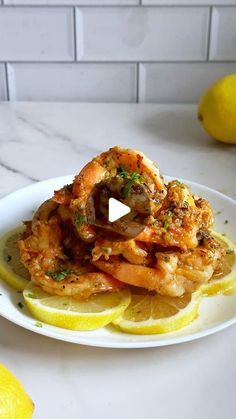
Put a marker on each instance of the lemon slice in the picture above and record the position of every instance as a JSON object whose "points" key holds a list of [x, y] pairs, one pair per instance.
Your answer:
{"points": [[14, 402], [149, 314], [227, 278], [68, 313], [11, 269]]}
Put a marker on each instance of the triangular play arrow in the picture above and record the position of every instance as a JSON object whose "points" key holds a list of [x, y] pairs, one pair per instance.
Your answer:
{"points": [[116, 209]]}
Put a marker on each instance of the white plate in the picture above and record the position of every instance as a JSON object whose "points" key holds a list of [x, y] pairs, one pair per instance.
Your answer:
{"points": [[216, 313]]}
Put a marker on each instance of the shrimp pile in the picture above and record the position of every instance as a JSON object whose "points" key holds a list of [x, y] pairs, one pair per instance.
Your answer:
{"points": [[163, 245]]}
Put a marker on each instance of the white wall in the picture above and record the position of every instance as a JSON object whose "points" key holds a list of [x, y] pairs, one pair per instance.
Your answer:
{"points": [[114, 50]]}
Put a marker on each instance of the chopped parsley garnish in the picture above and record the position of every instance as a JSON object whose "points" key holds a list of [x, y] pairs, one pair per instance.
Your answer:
{"points": [[122, 173], [20, 305], [226, 221], [218, 212], [155, 165], [166, 258], [166, 225], [169, 213], [107, 250], [107, 162], [9, 258], [185, 204], [67, 189], [135, 177], [229, 251], [31, 296], [80, 219], [38, 324], [180, 184], [65, 304], [59, 275]]}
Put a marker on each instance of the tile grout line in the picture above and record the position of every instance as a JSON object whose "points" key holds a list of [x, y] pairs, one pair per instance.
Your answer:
{"points": [[164, 62], [209, 34], [137, 83], [7, 82], [75, 33], [101, 6]]}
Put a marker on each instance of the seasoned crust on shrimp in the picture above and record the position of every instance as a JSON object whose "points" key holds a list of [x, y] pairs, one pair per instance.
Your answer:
{"points": [[57, 261], [105, 167], [174, 272], [183, 220]]}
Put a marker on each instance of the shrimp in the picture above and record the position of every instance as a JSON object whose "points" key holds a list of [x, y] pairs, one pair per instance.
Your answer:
{"points": [[174, 273], [129, 249], [57, 261], [105, 167], [183, 220], [144, 276]]}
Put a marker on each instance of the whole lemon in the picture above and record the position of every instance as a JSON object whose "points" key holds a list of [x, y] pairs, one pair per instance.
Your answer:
{"points": [[217, 109], [14, 402]]}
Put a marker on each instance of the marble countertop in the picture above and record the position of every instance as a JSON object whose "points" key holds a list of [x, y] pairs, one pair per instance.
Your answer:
{"points": [[197, 380]]}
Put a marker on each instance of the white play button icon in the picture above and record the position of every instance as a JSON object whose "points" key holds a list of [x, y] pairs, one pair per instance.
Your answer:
{"points": [[116, 209]]}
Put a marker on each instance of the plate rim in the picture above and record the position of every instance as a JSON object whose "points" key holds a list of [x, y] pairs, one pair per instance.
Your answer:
{"points": [[113, 344]]}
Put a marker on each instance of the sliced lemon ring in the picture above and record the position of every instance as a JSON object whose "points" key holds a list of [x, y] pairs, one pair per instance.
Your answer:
{"points": [[12, 270], [227, 280], [150, 314], [68, 313]]}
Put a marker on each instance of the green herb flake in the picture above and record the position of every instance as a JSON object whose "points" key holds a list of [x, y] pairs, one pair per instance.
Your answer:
{"points": [[107, 250], [218, 212], [122, 172], [226, 221], [9, 258], [155, 165], [166, 225], [20, 305], [135, 177], [169, 213], [107, 162], [229, 251], [67, 189], [38, 324], [166, 258], [32, 296], [59, 275], [223, 234], [80, 219], [65, 304], [185, 204], [180, 184]]}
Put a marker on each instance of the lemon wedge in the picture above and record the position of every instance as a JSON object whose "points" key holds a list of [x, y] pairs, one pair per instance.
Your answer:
{"points": [[11, 269], [14, 402], [150, 314], [69, 313], [226, 279]]}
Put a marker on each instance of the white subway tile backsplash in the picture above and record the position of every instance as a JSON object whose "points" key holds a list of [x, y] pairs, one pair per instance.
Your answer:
{"points": [[94, 57], [72, 2], [188, 2], [142, 33], [120, 2], [223, 34], [73, 82], [3, 87], [180, 82], [32, 34]]}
